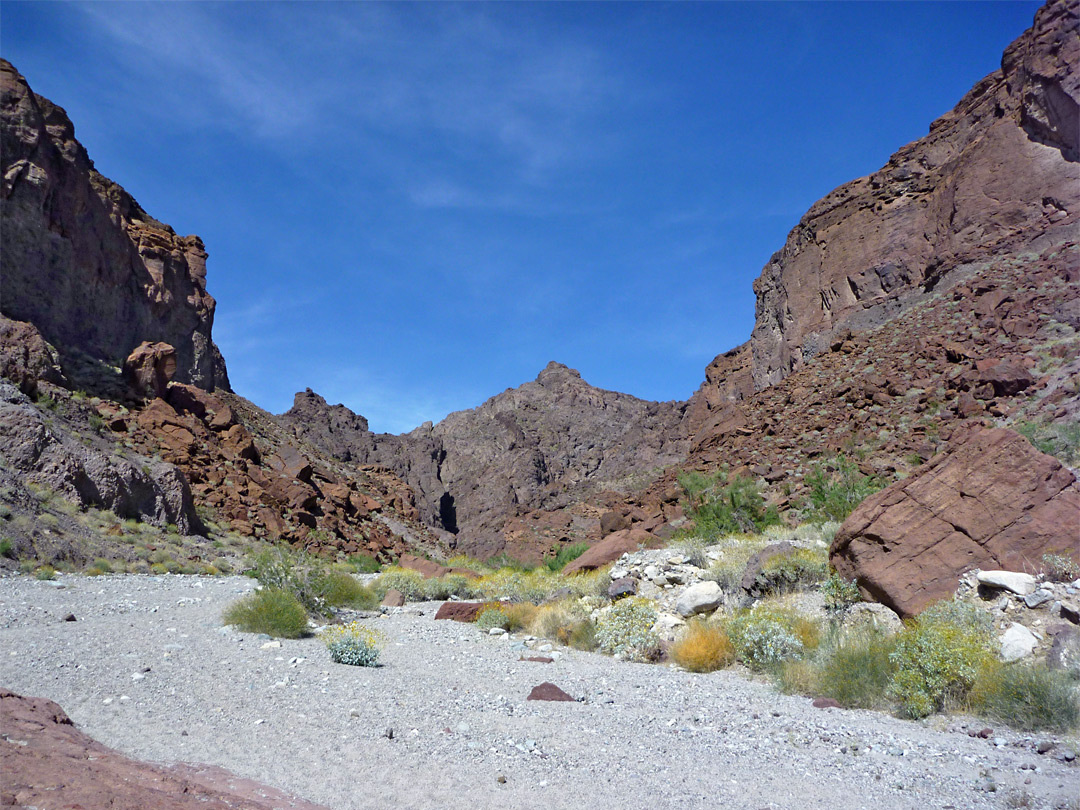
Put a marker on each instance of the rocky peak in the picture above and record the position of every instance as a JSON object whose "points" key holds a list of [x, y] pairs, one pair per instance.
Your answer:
{"points": [[83, 262]]}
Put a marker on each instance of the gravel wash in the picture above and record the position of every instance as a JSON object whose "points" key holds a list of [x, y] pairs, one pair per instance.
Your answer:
{"points": [[148, 668]]}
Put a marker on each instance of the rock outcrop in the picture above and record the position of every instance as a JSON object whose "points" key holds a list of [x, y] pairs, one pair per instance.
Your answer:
{"points": [[92, 271], [539, 445], [990, 501], [997, 174], [131, 486], [47, 762]]}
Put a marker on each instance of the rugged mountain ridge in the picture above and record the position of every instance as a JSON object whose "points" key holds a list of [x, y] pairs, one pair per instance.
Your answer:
{"points": [[541, 445], [83, 262], [997, 174]]}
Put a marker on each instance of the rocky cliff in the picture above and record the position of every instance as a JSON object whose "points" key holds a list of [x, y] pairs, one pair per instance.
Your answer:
{"points": [[997, 174], [542, 444], [82, 261]]}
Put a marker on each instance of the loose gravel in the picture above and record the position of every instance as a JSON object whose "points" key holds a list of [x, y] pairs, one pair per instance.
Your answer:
{"points": [[148, 668]]}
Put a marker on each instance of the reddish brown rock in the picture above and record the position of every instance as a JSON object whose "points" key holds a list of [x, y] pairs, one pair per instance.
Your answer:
{"points": [[607, 550], [47, 762], [826, 703], [393, 598], [461, 611], [25, 357], [429, 569], [149, 368], [990, 501], [548, 691]]}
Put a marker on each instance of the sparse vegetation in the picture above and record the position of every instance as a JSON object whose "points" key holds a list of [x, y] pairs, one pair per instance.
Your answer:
{"points": [[765, 635], [274, 611], [1058, 439], [1027, 696], [626, 630], [839, 593], [1059, 568], [565, 555]]}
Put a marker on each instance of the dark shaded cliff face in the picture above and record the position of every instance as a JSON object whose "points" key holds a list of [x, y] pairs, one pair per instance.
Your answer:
{"points": [[998, 174], [82, 261], [542, 444]]}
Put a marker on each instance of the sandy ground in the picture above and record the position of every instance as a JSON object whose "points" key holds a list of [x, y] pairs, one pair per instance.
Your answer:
{"points": [[149, 669]]}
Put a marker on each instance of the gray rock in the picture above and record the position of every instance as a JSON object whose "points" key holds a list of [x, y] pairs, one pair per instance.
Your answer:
{"points": [[1017, 642], [1038, 598], [702, 597], [1018, 583]]}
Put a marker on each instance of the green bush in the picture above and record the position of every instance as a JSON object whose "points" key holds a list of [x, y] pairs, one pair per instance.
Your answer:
{"points": [[408, 583], [492, 617], [799, 569], [858, 672], [835, 488], [938, 657], [439, 589], [565, 555], [354, 644], [626, 629], [765, 636], [339, 589], [1060, 439], [839, 593], [1059, 568], [273, 611], [365, 564], [7, 548], [1027, 696], [45, 572], [718, 508]]}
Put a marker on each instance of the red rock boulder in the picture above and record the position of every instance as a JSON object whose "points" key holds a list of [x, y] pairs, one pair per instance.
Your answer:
{"points": [[610, 549], [149, 368], [990, 500]]}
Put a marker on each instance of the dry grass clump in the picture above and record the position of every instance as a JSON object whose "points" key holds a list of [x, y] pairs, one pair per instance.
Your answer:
{"points": [[566, 622], [703, 647], [1027, 696]]}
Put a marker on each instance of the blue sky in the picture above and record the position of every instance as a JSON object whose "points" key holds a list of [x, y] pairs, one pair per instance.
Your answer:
{"points": [[411, 207]]}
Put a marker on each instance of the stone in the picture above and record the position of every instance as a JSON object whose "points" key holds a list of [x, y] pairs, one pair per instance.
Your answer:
{"points": [[538, 659], [429, 569], [463, 611], [1017, 642], [1019, 583], [1039, 598], [826, 703], [701, 597], [149, 368], [622, 587], [548, 691], [755, 581], [26, 358], [1064, 652], [56, 765], [393, 598], [607, 550], [870, 615], [611, 522], [989, 501]]}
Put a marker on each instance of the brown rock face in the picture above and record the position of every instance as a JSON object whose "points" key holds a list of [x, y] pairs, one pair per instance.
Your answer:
{"points": [[989, 501], [541, 444], [47, 762], [996, 173], [82, 261], [624, 541], [25, 357]]}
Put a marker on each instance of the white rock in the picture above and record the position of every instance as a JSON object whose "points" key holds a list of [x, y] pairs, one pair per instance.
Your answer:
{"points": [[1017, 642], [496, 631], [701, 597], [1021, 584], [270, 645], [619, 573], [667, 626]]}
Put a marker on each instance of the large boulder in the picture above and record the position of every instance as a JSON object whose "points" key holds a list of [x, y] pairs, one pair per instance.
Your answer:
{"points": [[989, 501], [149, 369], [610, 549]]}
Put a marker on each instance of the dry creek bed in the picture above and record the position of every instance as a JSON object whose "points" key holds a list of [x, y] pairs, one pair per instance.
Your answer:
{"points": [[148, 668]]}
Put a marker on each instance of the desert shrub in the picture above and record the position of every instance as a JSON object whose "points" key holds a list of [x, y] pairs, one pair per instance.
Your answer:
{"points": [[7, 548], [582, 635], [801, 568], [857, 673], [693, 548], [45, 572], [519, 616], [703, 647], [300, 574], [1061, 439], [765, 636], [439, 589], [565, 555], [1027, 696], [365, 564], [1059, 568], [839, 593], [556, 620], [409, 584], [835, 488], [512, 585], [504, 560], [587, 583], [626, 629], [273, 611], [354, 644], [492, 617], [339, 589], [719, 508], [938, 656]]}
